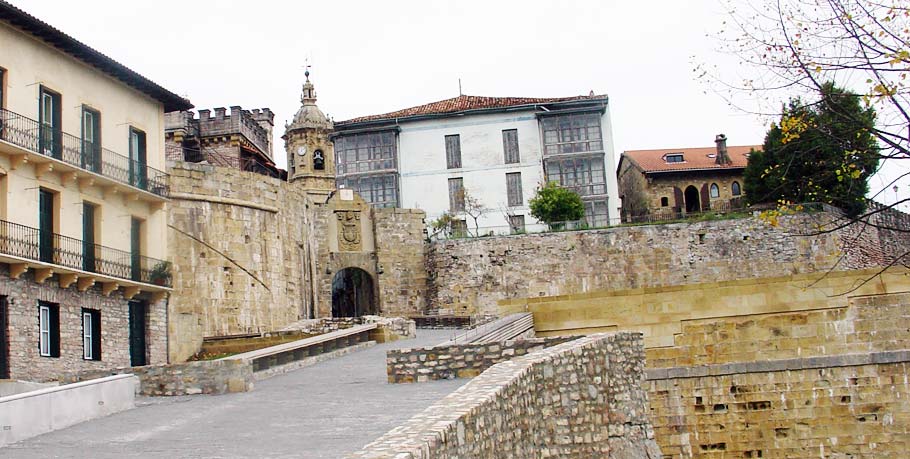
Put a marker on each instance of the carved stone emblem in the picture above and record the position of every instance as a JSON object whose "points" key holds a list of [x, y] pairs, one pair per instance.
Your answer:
{"points": [[349, 230]]}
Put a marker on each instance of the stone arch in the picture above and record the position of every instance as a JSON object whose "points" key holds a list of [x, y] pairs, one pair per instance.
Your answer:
{"points": [[692, 199], [353, 293]]}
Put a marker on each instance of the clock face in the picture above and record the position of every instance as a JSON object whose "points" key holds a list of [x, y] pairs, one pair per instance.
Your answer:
{"points": [[301, 150]]}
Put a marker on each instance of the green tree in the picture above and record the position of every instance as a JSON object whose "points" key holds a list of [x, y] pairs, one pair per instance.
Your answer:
{"points": [[819, 152], [553, 203]]}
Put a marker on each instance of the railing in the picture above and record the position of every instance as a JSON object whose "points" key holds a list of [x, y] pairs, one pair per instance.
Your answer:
{"points": [[33, 244], [90, 156], [248, 163]]}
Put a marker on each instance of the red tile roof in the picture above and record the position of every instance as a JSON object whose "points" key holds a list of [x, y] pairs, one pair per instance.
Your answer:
{"points": [[465, 103], [694, 158]]}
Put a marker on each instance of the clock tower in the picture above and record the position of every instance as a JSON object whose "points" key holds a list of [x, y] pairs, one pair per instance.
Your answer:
{"points": [[310, 153]]}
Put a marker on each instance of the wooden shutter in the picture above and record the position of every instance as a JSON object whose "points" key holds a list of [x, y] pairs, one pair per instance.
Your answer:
{"points": [[513, 189], [96, 335], [453, 151], [510, 146], [705, 197], [54, 324], [679, 200]]}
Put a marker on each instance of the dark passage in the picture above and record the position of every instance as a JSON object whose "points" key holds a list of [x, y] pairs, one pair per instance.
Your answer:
{"points": [[352, 293]]}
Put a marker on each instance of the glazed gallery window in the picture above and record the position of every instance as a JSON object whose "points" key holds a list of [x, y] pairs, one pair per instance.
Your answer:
{"points": [[715, 191], [48, 329], [91, 334], [735, 189], [573, 133], [369, 152], [379, 190], [583, 175]]}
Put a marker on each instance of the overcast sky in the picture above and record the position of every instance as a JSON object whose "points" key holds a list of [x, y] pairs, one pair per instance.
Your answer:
{"points": [[372, 57]]}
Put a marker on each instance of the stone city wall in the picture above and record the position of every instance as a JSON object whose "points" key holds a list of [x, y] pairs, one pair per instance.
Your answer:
{"points": [[580, 399], [469, 276], [25, 361], [394, 327], [808, 384], [189, 378], [458, 360], [401, 254], [236, 243]]}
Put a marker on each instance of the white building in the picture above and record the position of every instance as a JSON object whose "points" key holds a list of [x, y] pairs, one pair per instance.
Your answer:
{"points": [[497, 149]]}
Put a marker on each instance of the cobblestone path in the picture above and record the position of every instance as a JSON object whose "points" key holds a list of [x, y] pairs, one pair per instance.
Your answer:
{"points": [[323, 411]]}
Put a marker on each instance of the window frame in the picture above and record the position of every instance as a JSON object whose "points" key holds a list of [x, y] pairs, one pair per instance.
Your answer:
{"points": [[664, 201], [511, 152], [572, 133], [456, 203], [514, 193], [677, 158], [736, 189], [714, 191], [453, 151], [91, 334], [48, 329]]}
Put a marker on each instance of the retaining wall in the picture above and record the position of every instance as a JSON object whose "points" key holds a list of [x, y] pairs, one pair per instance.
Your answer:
{"points": [[45, 410], [579, 399], [189, 378], [458, 360]]}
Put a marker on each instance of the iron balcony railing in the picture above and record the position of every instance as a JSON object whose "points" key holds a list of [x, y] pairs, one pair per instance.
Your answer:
{"points": [[90, 156], [44, 246]]}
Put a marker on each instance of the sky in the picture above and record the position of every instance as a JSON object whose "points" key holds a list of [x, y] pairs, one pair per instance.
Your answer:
{"points": [[371, 57]]}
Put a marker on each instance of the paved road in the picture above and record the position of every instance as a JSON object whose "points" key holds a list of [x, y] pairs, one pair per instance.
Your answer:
{"points": [[323, 411]]}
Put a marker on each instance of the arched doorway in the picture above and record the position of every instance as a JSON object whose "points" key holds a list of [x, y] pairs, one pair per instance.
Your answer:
{"points": [[352, 293], [692, 204]]}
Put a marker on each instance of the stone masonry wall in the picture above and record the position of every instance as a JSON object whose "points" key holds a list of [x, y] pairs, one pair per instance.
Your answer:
{"points": [[190, 378], [580, 399], [471, 275], [458, 360], [236, 243], [824, 383], [27, 364], [401, 253]]}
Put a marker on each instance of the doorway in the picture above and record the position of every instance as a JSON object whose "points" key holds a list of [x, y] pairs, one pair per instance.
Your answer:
{"points": [[352, 293], [4, 338], [692, 204], [138, 349]]}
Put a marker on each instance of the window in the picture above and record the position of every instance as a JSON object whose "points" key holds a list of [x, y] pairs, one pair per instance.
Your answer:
{"points": [[89, 231], [456, 195], [48, 329], [510, 146], [735, 189], [715, 191], [453, 151], [2, 87], [49, 135], [675, 158], [664, 201], [513, 189], [379, 190], [138, 174], [459, 228], [91, 139], [47, 223], [369, 152], [573, 133], [137, 228], [583, 175], [516, 224], [91, 334]]}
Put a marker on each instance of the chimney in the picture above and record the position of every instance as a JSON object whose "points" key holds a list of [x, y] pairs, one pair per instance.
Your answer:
{"points": [[722, 157]]}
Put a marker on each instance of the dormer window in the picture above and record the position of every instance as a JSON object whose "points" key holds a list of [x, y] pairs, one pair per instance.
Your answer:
{"points": [[674, 158]]}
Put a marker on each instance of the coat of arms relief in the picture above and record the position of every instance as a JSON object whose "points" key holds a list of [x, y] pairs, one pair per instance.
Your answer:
{"points": [[349, 230]]}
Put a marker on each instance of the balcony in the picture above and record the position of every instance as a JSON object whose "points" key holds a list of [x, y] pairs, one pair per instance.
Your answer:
{"points": [[79, 262], [52, 150]]}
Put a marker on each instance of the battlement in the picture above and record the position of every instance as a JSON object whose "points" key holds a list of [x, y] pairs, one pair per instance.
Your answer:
{"points": [[255, 125]]}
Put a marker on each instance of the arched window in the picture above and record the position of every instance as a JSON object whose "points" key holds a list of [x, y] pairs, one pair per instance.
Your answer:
{"points": [[715, 191], [664, 201], [735, 189]]}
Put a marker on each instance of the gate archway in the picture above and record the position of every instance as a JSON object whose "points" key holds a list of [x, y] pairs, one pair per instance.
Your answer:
{"points": [[353, 294]]}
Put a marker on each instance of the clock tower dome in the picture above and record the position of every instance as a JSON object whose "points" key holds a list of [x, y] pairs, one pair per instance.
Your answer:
{"points": [[310, 152]]}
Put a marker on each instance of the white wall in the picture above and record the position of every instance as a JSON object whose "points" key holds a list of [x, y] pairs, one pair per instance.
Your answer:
{"points": [[45, 410], [422, 163]]}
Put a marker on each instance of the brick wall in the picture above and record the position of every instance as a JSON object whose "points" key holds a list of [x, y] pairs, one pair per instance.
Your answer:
{"points": [[579, 399], [26, 363]]}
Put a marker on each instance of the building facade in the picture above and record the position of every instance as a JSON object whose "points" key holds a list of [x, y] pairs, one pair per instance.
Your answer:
{"points": [[669, 183], [240, 139], [495, 151], [82, 206]]}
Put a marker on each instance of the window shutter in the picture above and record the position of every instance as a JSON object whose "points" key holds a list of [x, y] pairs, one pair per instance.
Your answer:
{"points": [[96, 335], [679, 201], [54, 313], [705, 197]]}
